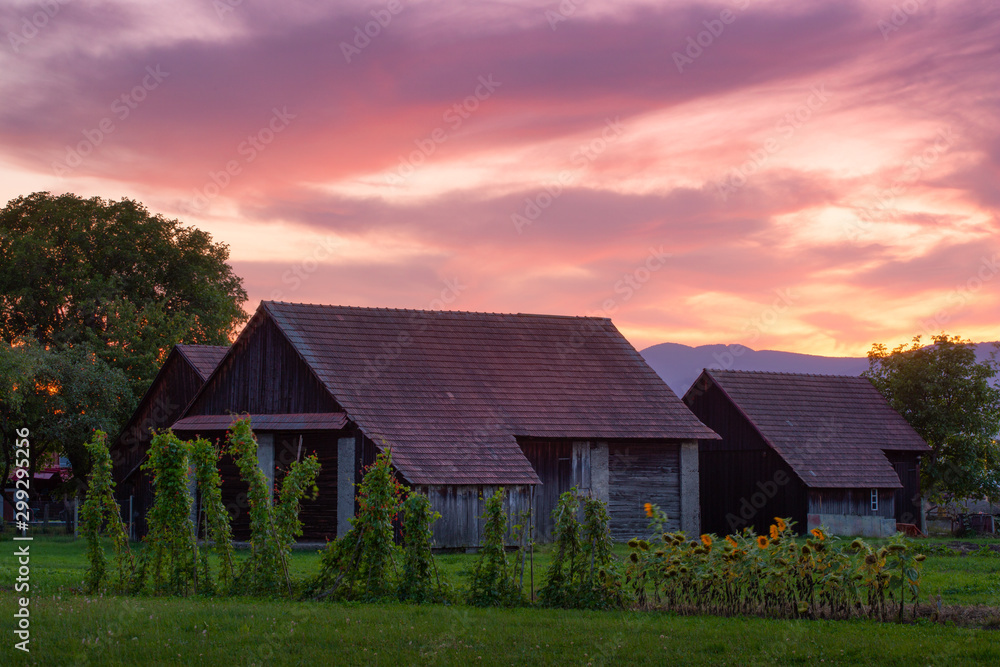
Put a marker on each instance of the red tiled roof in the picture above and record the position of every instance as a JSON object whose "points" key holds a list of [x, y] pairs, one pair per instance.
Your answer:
{"points": [[450, 391], [203, 358], [318, 421], [831, 429]]}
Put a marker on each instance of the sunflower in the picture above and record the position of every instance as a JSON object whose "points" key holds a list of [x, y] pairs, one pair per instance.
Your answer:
{"points": [[818, 534], [649, 510], [729, 538], [774, 532], [762, 542], [781, 523], [706, 540]]}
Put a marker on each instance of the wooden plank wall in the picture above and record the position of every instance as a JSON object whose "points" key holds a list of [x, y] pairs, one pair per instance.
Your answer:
{"points": [[462, 507], [856, 502], [907, 501], [637, 474], [263, 375], [319, 516], [554, 464], [742, 480]]}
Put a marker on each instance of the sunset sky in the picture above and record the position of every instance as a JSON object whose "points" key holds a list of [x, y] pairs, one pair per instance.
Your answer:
{"points": [[801, 176]]}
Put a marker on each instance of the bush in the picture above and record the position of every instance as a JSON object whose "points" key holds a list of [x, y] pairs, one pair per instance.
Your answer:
{"points": [[493, 582], [357, 564], [171, 538], [420, 580], [583, 572], [100, 509]]}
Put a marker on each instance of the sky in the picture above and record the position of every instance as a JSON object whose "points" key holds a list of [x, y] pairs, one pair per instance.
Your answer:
{"points": [[811, 177]]}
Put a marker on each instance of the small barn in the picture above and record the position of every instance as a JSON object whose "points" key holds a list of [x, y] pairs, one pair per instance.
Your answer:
{"points": [[822, 449], [182, 374], [467, 402]]}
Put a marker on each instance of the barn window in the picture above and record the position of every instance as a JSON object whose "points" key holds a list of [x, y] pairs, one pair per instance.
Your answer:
{"points": [[874, 500]]}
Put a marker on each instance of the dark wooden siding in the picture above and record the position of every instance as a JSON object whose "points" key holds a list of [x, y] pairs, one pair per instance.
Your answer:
{"points": [[852, 502], [263, 374], [743, 481], [907, 502], [462, 507], [173, 389], [319, 516], [552, 461], [639, 474]]}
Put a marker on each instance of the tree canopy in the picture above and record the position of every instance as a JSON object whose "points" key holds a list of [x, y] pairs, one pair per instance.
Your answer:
{"points": [[106, 288], [948, 397]]}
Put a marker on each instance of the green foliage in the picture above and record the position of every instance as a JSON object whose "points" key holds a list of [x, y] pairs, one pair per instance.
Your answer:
{"points": [[774, 575], [494, 580], [357, 565], [564, 581], [109, 283], [266, 567], [417, 581], [205, 457], [62, 397], [100, 509], [948, 398], [171, 539]]}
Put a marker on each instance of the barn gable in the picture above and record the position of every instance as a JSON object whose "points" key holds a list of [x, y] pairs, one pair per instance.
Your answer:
{"points": [[179, 379]]}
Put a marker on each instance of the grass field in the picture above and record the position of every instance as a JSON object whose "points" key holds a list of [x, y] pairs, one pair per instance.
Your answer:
{"points": [[70, 628]]}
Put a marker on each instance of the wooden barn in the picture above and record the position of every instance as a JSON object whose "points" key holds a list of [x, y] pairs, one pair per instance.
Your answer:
{"points": [[467, 402], [183, 373], [821, 449]]}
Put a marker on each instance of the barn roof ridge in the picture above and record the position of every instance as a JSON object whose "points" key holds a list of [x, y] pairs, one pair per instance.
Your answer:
{"points": [[792, 373], [427, 310]]}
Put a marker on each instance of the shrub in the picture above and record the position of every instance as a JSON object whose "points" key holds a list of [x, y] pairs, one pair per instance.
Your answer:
{"points": [[358, 564], [272, 530], [217, 528], [101, 509], [417, 582], [171, 537], [493, 582]]}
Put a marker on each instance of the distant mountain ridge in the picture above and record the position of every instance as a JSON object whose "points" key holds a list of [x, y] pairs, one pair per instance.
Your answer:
{"points": [[679, 365]]}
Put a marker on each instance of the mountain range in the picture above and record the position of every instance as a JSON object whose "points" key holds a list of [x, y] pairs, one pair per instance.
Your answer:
{"points": [[679, 365]]}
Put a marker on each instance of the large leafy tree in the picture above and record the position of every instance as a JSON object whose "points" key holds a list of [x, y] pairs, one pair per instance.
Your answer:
{"points": [[108, 288], [61, 396], [949, 399]]}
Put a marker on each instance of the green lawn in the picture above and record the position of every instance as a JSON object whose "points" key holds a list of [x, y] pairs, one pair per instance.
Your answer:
{"points": [[70, 628]]}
